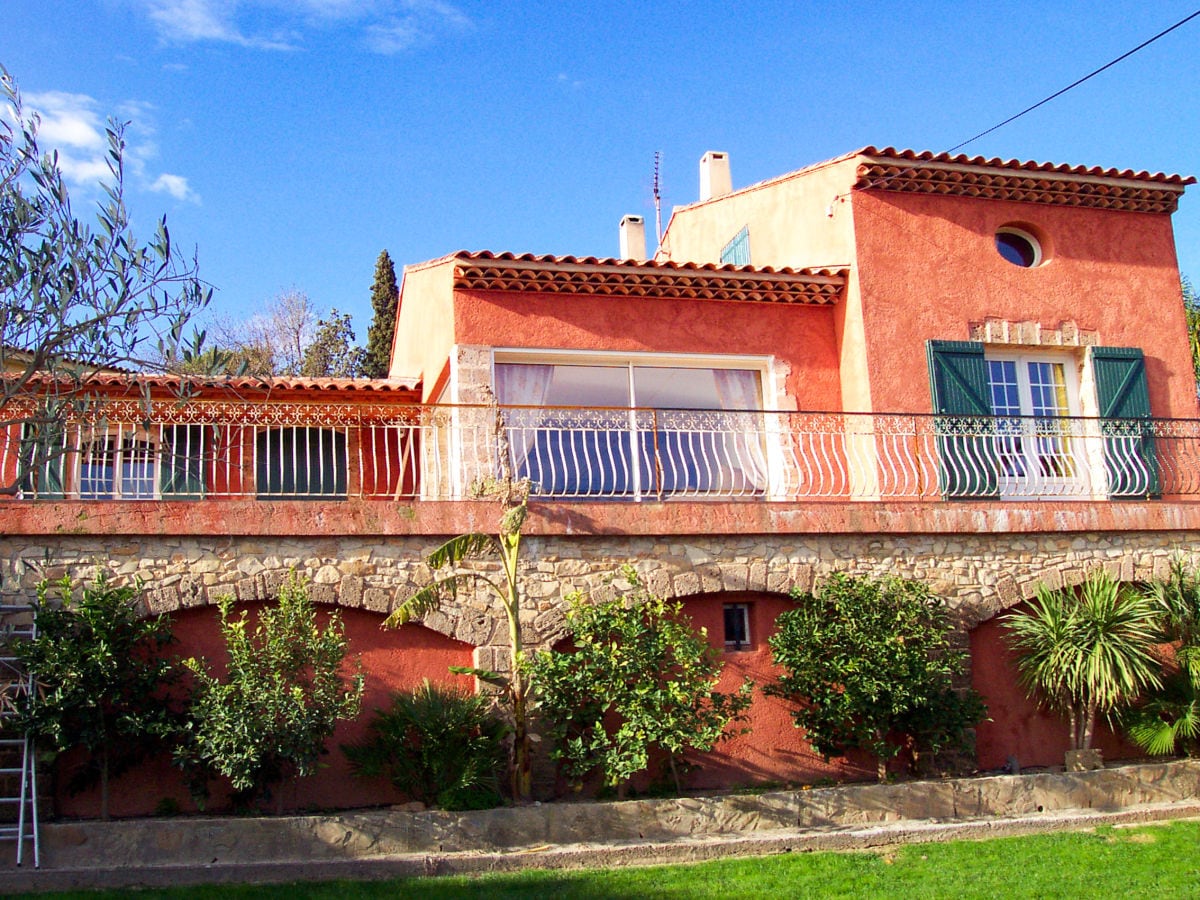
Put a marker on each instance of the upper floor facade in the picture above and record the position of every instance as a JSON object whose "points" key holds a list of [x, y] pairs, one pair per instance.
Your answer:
{"points": [[886, 328]]}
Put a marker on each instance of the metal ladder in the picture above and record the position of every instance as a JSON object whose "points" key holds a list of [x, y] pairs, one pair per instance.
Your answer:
{"points": [[17, 757]]}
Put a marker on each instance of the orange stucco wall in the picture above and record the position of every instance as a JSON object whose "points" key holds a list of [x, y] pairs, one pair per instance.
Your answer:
{"points": [[1016, 726], [927, 267], [774, 750], [392, 660], [798, 336]]}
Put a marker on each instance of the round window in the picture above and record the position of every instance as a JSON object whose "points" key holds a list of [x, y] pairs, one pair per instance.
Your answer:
{"points": [[1019, 247]]}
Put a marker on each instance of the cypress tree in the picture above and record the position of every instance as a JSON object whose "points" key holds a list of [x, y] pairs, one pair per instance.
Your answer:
{"points": [[384, 298]]}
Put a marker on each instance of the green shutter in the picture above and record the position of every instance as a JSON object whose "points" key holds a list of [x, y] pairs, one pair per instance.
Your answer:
{"points": [[1123, 398], [964, 425], [737, 251], [182, 461]]}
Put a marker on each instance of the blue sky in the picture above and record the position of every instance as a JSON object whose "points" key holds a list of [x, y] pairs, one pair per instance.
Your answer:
{"points": [[290, 141]]}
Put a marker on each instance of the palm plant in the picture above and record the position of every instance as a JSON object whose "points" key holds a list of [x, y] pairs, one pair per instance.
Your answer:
{"points": [[1086, 653], [1170, 720], [457, 564]]}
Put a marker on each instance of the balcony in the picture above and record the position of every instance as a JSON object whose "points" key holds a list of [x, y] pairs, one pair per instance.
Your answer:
{"points": [[236, 450]]}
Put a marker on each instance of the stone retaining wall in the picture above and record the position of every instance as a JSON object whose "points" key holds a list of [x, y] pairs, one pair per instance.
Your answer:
{"points": [[208, 841], [978, 575]]}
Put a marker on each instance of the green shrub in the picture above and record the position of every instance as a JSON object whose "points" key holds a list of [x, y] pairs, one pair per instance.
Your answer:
{"points": [[1169, 719], [868, 663], [282, 697], [437, 745], [639, 677], [101, 680]]}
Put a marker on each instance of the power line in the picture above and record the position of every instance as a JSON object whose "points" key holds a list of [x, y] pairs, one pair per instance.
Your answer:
{"points": [[1076, 84], [1042, 102]]}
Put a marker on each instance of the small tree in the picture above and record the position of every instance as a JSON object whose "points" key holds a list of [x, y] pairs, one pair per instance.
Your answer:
{"points": [[282, 696], [100, 679], [1191, 306], [870, 666], [1086, 653], [77, 299], [384, 298], [332, 353], [437, 745], [639, 678], [456, 562]]}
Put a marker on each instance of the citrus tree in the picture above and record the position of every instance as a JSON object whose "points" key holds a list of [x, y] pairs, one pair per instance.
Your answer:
{"points": [[869, 666], [637, 678]]}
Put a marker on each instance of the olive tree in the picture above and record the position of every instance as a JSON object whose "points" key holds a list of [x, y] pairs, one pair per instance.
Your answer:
{"points": [[77, 298]]}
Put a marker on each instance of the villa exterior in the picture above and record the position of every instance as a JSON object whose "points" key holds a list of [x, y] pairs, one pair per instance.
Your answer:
{"points": [[973, 372]]}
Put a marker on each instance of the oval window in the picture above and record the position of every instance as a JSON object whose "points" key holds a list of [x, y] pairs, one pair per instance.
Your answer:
{"points": [[1018, 247]]}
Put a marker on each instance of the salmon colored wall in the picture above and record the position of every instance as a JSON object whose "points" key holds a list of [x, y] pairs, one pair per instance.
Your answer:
{"points": [[392, 660], [775, 749], [800, 336], [424, 324], [927, 266], [1017, 726]]}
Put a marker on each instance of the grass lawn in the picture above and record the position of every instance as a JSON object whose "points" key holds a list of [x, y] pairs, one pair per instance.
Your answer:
{"points": [[1159, 861]]}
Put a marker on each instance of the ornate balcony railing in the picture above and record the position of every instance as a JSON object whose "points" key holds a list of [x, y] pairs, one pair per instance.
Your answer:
{"points": [[233, 449]]}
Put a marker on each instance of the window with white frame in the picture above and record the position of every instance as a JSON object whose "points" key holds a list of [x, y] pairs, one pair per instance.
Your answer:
{"points": [[1033, 396], [119, 466], [607, 425]]}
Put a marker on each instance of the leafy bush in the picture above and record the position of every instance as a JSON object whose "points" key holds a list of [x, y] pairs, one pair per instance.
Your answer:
{"points": [[1169, 720], [639, 677], [101, 681], [1087, 652], [870, 667], [284, 693], [442, 747]]}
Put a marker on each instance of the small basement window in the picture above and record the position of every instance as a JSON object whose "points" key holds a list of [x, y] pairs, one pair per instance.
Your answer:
{"points": [[737, 626], [1018, 247]]}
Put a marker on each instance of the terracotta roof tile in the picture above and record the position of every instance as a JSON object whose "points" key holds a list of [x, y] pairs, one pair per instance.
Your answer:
{"points": [[248, 383], [590, 275], [912, 171]]}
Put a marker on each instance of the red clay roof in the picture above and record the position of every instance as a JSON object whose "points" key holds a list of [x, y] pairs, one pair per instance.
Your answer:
{"points": [[590, 275], [254, 383], [926, 172], [1027, 166]]}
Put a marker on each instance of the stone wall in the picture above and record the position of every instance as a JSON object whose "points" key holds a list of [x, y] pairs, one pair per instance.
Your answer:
{"points": [[978, 575]]}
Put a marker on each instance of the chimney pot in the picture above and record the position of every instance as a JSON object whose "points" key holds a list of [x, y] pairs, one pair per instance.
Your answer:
{"points": [[715, 180], [633, 238]]}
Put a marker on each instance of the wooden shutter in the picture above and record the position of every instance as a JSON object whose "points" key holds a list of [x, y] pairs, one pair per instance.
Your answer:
{"points": [[964, 425], [1123, 397], [181, 457]]}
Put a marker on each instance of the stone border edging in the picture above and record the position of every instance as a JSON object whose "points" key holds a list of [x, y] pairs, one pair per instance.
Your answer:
{"points": [[389, 843]]}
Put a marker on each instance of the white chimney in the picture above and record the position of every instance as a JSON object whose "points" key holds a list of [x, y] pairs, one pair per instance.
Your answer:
{"points": [[633, 238], [715, 180]]}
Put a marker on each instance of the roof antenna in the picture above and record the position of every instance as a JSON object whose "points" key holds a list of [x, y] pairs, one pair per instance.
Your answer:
{"points": [[657, 199]]}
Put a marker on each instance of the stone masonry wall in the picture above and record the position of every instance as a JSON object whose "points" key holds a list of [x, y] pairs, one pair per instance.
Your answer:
{"points": [[978, 575]]}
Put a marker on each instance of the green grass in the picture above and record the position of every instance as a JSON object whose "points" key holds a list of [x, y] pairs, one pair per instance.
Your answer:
{"points": [[1157, 861]]}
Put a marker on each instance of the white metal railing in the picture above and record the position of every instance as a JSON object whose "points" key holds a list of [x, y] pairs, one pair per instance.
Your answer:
{"points": [[232, 449]]}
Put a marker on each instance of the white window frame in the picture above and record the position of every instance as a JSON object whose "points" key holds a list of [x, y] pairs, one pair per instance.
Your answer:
{"points": [[118, 436], [1034, 483], [763, 366]]}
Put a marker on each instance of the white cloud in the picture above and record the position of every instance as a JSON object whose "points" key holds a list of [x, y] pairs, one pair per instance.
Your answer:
{"points": [[175, 185], [384, 26], [68, 120], [70, 125]]}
